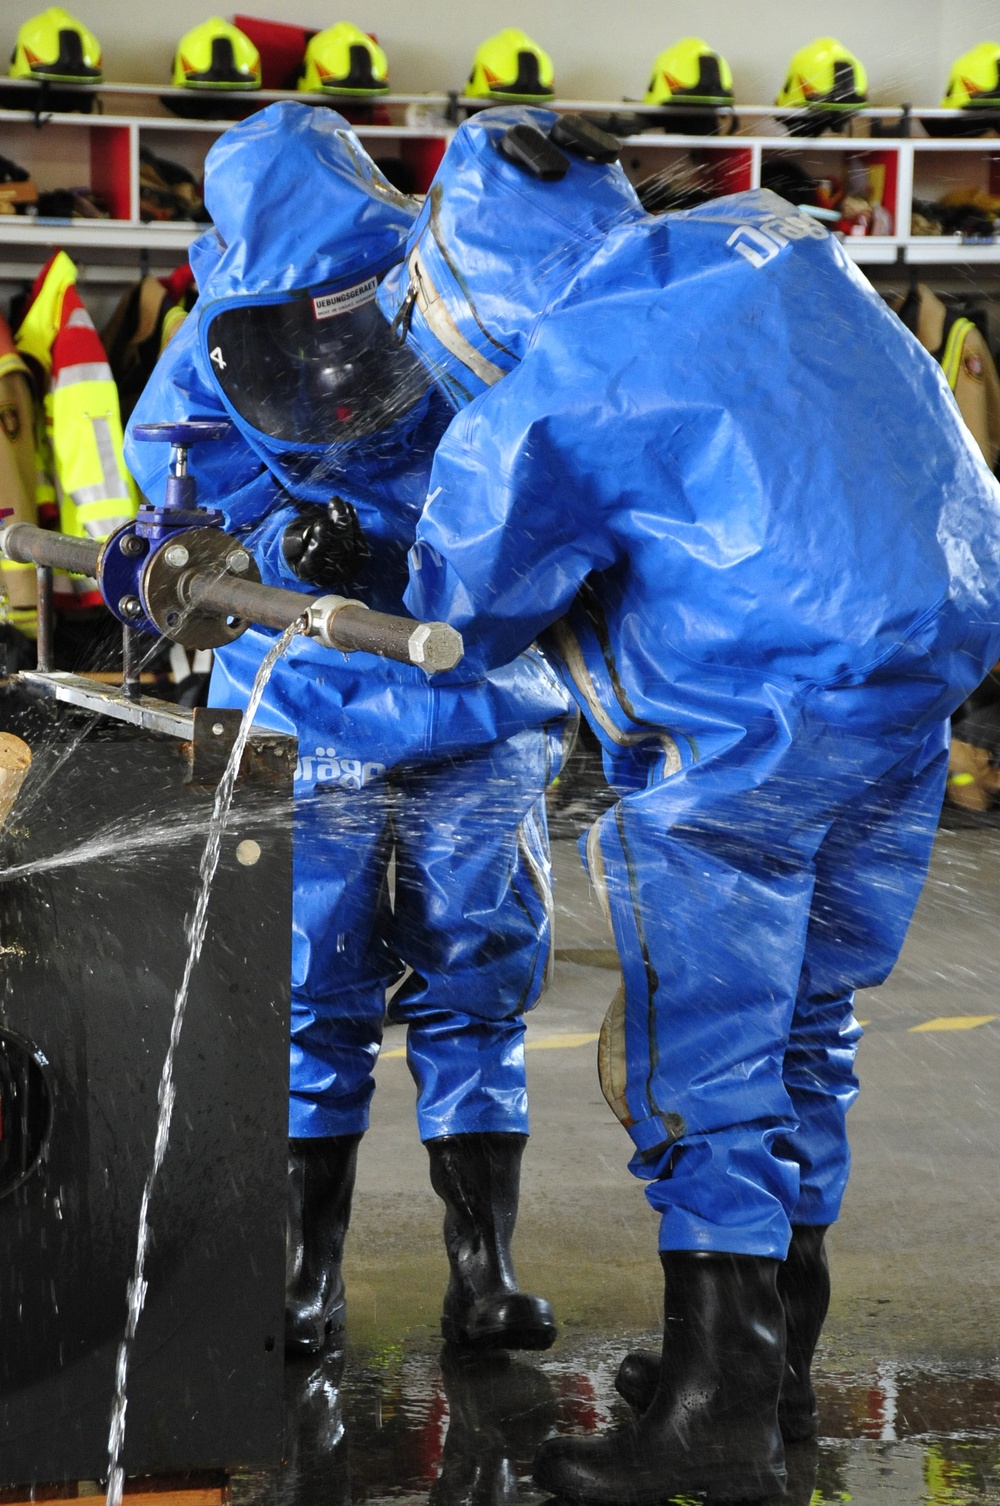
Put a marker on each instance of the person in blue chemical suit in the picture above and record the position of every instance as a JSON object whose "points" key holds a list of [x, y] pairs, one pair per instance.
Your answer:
{"points": [[324, 476], [740, 502]]}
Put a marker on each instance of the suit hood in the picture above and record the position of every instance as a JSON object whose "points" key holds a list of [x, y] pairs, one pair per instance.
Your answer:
{"points": [[296, 202], [492, 247]]}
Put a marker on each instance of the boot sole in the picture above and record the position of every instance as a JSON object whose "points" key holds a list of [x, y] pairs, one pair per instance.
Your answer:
{"points": [[753, 1485], [509, 1320], [513, 1337]]}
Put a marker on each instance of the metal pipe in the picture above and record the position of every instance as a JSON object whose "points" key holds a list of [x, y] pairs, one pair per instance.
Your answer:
{"points": [[228, 596], [28, 545], [333, 620]]}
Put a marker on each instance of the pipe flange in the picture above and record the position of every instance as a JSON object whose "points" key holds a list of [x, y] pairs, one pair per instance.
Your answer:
{"points": [[169, 587]]}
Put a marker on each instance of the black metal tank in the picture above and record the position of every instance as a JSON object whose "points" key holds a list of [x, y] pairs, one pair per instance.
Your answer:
{"points": [[91, 955]]}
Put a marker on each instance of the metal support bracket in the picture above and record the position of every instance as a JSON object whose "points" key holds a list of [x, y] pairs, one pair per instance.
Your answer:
{"points": [[212, 737], [111, 700], [207, 748]]}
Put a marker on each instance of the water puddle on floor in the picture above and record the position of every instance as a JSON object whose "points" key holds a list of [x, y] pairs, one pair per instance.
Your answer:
{"points": [[412, 1423]]}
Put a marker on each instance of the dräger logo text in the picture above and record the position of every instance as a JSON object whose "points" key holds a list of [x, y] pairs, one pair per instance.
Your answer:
{"points": [[323, 766], [759, 244]]}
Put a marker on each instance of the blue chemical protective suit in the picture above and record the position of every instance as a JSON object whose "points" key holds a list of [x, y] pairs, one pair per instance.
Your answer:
{"points": [[286, 341], [742, 499]]}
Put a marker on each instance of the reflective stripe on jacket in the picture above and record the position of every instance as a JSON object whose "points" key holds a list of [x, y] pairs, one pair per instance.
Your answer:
{"points": [[17, 476], [78, 431]]}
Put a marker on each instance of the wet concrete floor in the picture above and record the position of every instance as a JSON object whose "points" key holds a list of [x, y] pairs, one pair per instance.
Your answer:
{"points": [[909, 1367]]}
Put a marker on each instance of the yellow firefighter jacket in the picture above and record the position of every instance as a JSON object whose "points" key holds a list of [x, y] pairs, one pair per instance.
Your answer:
{"points": [[966, 361], [81, 482]]}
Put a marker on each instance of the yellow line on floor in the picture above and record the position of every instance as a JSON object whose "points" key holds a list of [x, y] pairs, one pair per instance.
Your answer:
{"points": [[564, 1042], [547, 1043], [590, 956], [554, 1042], [954, 1022]]}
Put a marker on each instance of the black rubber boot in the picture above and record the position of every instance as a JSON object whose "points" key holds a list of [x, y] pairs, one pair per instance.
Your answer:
{"points": [[712, 1425], [638, 1377], [320, 1186], [499, 1410], [477, 1177], [804, 1288]]}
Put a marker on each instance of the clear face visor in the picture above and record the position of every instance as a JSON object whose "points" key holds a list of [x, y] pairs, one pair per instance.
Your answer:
{"points": [[317, 370]]}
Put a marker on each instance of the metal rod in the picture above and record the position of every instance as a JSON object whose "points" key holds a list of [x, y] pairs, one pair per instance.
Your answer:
{"points": [[228, 596], [28, 545], [46, 625], [131, 663], [352, 629]]}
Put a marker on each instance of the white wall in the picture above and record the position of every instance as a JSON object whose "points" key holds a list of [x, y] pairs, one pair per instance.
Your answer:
{"points": [[601, 48]]}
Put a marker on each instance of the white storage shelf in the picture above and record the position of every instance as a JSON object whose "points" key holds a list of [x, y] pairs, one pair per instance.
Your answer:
{"points": [[102, 151], [916, 168]]}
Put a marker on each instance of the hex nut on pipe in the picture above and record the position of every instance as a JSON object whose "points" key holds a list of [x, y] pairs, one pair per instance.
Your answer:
{"points": [[435, 647]]}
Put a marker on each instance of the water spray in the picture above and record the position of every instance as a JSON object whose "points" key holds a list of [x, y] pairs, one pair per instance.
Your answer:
{"points": [[175, 572]]}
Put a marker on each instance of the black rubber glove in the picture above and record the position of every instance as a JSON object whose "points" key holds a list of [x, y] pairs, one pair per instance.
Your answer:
{"points": [[325, 546]]}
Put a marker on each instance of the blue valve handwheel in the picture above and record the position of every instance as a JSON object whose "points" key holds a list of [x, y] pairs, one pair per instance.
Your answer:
{"points": [[187, 433]]}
